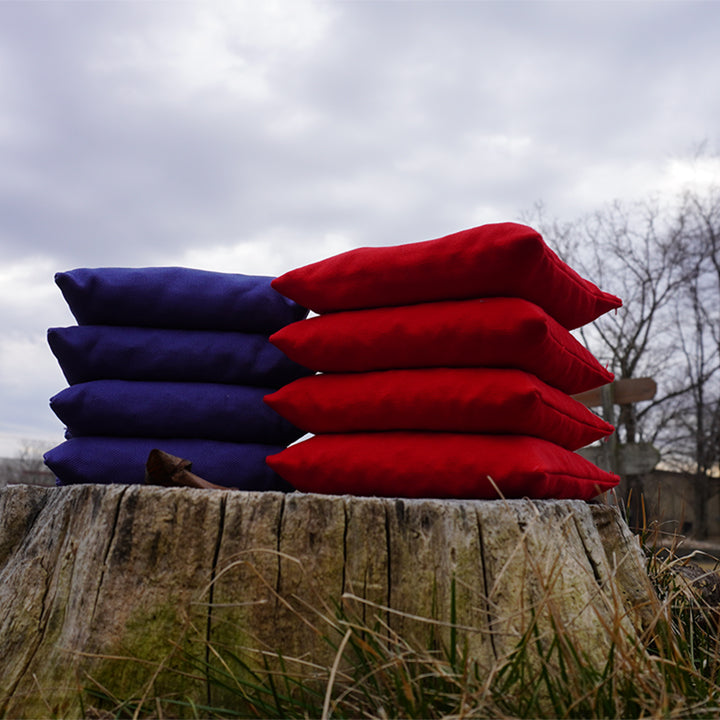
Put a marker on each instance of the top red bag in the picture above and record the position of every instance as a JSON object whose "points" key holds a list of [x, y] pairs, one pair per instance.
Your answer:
{"points": [[498, 260]]}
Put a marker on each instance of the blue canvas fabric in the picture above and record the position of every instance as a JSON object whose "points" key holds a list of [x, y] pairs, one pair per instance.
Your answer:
{"points": [[176, 297], [122, 460], [99, 352], [122, 408]]}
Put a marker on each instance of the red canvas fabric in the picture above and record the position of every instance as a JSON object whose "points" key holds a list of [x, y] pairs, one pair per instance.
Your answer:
{"points": [[443, 465], [503, 259], [490, 332], [473, 400]]}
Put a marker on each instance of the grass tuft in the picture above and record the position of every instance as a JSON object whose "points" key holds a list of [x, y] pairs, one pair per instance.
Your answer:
{"points": [[670, 670]]}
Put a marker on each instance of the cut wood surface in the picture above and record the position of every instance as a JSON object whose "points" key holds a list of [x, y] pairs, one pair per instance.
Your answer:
{"points": [[110, 586]]}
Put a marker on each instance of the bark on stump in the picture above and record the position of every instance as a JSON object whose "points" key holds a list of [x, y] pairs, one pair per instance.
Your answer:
{"points": [[121, 587]]}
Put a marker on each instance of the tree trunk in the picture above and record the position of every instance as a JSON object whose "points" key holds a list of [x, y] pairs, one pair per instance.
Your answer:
{"points": [[126, 588]]}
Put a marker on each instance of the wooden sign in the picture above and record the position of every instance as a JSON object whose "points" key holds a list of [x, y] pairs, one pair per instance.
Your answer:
{"points": [[624, 392], [631, 459]]}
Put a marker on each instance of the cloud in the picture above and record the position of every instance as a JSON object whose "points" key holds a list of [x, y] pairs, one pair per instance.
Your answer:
{"points": [[153, 132], [29, 376], [258, 136], [273, 253], [27, 292], [149, 127]]}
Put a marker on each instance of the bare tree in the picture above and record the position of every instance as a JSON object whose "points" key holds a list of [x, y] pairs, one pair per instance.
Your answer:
{"points": [[695, 423], [633, 252], [27, 467], [663, 261]]}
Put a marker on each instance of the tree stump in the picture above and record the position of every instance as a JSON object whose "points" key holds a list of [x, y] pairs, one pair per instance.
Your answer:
{"points": [[120, 587]]}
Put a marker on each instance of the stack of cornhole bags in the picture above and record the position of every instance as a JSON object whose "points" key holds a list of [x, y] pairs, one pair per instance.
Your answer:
{"points": [[175, 359], [446, 367]]}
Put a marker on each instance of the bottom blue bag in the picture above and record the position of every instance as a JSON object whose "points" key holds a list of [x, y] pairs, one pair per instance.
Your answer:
{"points": [[106, 460]]}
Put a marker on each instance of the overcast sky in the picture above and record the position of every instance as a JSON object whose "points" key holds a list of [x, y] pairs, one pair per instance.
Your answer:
{"points": [[255, 137]]}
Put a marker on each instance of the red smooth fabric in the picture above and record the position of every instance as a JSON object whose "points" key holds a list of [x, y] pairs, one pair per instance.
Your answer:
{"points": [[473, 400], [441, 465], [502, 259], [490, 332]]}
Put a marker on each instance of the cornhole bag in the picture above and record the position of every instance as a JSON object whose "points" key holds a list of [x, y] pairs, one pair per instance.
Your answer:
{"points": [[491, 332], [504, 259], [176, 297], [100, 352], [126, 408], [122, 460], [440, 465], [473, 400]]}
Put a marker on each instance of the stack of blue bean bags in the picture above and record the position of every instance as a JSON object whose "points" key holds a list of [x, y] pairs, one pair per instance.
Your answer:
{"points": [[175, 359]]}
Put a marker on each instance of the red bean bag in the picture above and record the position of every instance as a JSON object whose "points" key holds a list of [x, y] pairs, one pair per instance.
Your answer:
{"points": [[504, 259], [491, 332], [440, 465], [475, 400]]}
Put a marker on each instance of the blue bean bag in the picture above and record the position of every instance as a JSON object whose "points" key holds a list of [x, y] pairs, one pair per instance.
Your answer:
{"points": [[123, 408], [122, 460], [176, 297], [99, 352]]}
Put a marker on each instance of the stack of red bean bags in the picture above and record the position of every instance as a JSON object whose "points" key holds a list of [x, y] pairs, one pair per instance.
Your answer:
{"points": [[176, 359], [446, 371]]}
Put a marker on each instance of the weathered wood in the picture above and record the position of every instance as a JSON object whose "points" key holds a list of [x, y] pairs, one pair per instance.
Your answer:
{"points": [[127, 587], [625, 392]]}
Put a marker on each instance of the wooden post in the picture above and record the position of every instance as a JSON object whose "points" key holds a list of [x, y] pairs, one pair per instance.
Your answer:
{"points": [[610, 444], [630, 460]]}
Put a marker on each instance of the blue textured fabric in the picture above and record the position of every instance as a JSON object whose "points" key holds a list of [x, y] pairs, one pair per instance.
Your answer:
{"points": [[122, 460], [94, 352], [122, 408], [176, 297]]}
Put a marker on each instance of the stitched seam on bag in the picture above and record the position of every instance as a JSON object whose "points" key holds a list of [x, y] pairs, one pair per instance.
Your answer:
{"points": [[575, 354], [565, 270], [584, 478], [559, 411]]}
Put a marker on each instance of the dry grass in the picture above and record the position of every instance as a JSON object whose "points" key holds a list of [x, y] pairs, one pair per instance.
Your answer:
{"points": [[669, 670]]}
